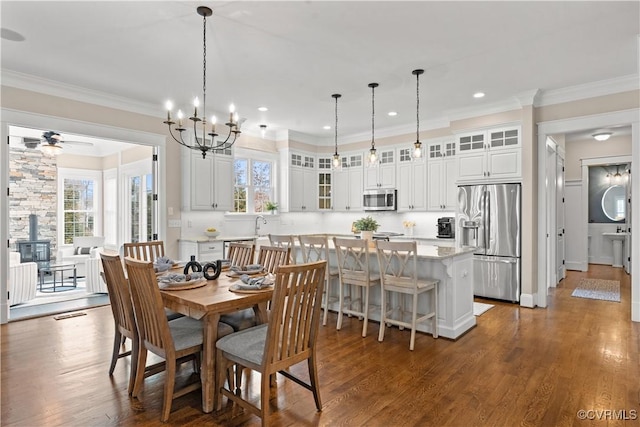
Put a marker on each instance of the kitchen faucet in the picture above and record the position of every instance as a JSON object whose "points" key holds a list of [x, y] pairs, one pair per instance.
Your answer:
{"points": [[257, 227]]}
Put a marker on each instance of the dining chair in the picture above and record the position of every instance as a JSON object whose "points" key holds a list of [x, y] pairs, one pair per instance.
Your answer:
{"points": [[287, 339], [284, 241], [173, 342], [271, 257], [145, 251], [124, 319], [316, 248], [354, 271], [241, 254], [398, 263]]}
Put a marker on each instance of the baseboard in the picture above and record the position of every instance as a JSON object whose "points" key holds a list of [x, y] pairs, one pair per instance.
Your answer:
{"points": [[575, 265], [528, 300]]}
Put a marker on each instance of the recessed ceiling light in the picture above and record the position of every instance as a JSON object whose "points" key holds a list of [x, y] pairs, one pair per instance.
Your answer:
{"points": [[263, 109], [392, 113], [326, 127], [602, 136], [478, 95]]}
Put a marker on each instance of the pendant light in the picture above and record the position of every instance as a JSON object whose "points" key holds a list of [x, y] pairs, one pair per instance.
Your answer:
{"points": [[372, 159], [417, 146], [336, 163]]}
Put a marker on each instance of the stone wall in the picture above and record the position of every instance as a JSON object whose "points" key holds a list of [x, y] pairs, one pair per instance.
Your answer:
{"points": [[33, 189]]}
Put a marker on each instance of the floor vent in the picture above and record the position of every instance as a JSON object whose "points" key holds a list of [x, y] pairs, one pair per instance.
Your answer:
{"points": [[69, 315]]}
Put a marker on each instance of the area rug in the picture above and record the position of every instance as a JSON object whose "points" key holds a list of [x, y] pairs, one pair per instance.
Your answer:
{"points": [[607, 290], [479, 308]]}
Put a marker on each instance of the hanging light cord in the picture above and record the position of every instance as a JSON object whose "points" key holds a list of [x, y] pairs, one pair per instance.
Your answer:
{"points": [[417, 107], [204, 82], [336, 129], [373, 114]]}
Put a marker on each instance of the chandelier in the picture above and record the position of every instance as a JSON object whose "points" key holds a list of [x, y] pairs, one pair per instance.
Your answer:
{"points": [[417, 146], [372, 158], [336, 163], [201, 143]]}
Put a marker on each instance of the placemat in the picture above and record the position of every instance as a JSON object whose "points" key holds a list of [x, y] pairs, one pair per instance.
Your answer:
{"points": [[182, 286]]}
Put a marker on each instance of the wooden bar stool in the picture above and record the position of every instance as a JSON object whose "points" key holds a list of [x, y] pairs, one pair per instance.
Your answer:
{"points": [[316, 248]]}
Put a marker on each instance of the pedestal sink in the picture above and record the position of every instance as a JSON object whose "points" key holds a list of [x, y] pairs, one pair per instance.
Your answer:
{"points": [[617, 240]]}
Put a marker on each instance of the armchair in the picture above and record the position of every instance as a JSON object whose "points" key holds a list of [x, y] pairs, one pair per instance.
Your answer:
{"points": [[95, 283], [80, 252], [23, 279]]}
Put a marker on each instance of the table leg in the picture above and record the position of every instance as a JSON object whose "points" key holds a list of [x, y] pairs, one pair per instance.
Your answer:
{"points": [[208, 369], [261, 312]]}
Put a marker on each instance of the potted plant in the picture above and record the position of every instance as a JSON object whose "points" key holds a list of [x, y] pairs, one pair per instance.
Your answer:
{"points": [[366, 226], [271, 206]]}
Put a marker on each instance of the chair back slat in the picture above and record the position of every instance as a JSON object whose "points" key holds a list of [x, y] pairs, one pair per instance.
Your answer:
{"points": [[271, 257], [353, 259], [398, 262], [153, 326], [145, 251], [241, 254], [119, 296], [284, 241], [295, 313]]}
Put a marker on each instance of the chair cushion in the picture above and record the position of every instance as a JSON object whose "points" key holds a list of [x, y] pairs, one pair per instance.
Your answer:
{"points": [[248, 344], [187, 332], [239, 320]]}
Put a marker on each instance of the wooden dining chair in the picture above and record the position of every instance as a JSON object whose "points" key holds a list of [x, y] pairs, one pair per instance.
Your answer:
{"points": [[284, 241], [182, 339], [287, 339], [354, 271], [145, 251], [399, 273], [316, 248], [271, 257], [241, 254], [124, 319]]}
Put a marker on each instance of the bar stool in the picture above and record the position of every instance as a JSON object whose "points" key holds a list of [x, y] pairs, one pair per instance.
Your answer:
{"points": [[316, 248], [353, 269], [399, 273], [284, 241]]}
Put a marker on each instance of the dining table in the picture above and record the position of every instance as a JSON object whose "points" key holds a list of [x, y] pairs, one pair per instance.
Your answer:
{"points": [[207, 303]]}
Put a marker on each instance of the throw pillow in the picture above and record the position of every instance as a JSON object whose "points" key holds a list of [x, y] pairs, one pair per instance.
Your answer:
{"points": [[83, 251]]}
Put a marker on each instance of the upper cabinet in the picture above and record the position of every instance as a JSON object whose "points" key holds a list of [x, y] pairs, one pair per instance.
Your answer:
{"points": [[325, 181], [347, 184], [494, 154], [302, 182], [442, 174], [384, 174], [412, 182], [209, 186]]}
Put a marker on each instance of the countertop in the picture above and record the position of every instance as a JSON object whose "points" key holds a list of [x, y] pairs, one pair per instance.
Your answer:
{"points": [[218, 239]]}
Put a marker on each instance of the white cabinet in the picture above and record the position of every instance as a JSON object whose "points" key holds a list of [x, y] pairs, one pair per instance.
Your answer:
{"points": [[384, 174], [203, 251], [325, 183], [210, 180], [442, 174], [302, 183], [494, 154], [412, 174], [347, 184]]}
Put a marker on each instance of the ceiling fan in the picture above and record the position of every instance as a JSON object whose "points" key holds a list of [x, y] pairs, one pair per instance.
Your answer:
{"points": [[53, 140]]}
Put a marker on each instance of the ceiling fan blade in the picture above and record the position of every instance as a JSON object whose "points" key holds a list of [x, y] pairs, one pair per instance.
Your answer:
{"points": [[30, 142], [78, 143]]}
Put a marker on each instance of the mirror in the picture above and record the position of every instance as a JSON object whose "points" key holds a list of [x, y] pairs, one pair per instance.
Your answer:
{"points": [[613, 203]]}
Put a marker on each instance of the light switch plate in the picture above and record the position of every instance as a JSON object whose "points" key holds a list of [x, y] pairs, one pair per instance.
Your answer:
{"points": [[175, 223]]}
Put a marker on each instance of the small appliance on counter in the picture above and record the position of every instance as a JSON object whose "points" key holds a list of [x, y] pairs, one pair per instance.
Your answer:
{"points": [[446, 227]]}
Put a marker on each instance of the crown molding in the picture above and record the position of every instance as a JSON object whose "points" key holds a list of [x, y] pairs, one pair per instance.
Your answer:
{"points": [[485, 110], [589, 90]]}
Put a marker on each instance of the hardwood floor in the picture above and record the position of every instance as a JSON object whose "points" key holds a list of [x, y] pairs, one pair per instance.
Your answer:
{"points": [[518, 366]]}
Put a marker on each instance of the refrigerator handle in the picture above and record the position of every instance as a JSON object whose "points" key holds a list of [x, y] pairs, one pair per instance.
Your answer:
{"points": [[487, 228]]}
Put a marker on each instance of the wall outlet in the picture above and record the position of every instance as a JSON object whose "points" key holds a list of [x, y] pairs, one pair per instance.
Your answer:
{"points": [[175, 223]]}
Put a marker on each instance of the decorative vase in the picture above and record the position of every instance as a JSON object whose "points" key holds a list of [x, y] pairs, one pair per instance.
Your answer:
{"points": [[408, 231], [367, 235]]}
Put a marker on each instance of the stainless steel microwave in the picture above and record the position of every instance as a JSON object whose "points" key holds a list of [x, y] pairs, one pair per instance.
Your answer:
{"points": [[380, 200]]}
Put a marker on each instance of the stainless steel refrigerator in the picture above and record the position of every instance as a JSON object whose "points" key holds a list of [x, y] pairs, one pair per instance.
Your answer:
{"points": [[489, 218]]}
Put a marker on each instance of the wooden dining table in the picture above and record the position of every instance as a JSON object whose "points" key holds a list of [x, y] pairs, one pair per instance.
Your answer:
{"points": [[208, 303]]}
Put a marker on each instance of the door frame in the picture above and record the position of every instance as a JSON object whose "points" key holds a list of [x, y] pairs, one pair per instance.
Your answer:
{"points": [[12, 117], [624, 117]]}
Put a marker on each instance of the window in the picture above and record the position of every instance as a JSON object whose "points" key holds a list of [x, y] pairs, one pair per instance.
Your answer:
{"points": [[79, 204], [253, 184], [138, 203]]}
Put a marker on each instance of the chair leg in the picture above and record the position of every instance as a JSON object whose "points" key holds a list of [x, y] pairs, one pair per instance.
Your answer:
{"points": [[238, 370], [414, 314], [340, 304], [313, 377], [116, 351], [135, 354], [366, 311], [169, 383], [383, 313], [326, 303], [265, 392], [142, 362], [222, 368], [435, 311]]}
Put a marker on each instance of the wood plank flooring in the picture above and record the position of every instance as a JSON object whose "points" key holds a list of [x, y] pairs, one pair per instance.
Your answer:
{"points": [[518, 366]]}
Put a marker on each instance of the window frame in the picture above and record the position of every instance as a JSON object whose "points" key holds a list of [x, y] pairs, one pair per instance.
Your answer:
{"points": [[251, 156], [79, 174]]}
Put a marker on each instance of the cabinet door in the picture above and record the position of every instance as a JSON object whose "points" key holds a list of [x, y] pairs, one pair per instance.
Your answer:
{"points": [[371, 177], [340, 191], [504, 164], [223, 183], [355, 189], [202, 182], [472, 166], [310, 193], [387, 176], [405, 186], [449, 178], [296, 190], [419, 193], [209, 251], [435, 185]]}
